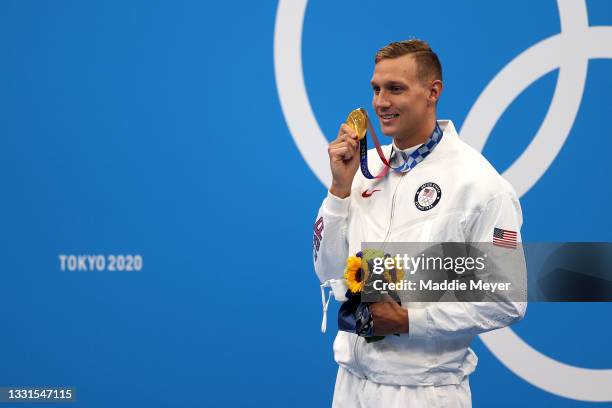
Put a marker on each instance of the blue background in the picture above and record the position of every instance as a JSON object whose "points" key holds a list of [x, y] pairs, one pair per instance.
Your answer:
{"points": [[154, 128]]}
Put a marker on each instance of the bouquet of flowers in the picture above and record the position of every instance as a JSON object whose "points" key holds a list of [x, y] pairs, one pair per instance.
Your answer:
{"points": [[354, 315]]}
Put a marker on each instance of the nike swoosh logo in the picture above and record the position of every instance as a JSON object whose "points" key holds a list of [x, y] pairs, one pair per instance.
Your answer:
{"points": [[365, 193]]}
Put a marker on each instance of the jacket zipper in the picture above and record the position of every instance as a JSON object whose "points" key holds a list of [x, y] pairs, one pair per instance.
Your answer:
{"points": [[386, 237], [393, 207]]}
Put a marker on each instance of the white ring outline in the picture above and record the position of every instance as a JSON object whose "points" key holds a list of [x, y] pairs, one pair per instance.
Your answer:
{"points": [[569, 51]]}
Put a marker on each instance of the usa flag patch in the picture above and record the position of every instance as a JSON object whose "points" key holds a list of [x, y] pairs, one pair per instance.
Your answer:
{"points": [[504, 238]]}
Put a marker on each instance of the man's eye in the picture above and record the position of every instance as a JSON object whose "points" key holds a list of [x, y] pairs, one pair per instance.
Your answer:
{"points": [[376, 90], [396, 89]]}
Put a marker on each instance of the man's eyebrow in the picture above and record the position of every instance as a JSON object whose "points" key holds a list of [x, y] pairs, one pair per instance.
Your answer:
{"points": [[394, 83], [387, 83]]}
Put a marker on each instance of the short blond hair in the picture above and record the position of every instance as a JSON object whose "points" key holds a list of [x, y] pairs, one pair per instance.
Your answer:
{"points": [[428, 64]]}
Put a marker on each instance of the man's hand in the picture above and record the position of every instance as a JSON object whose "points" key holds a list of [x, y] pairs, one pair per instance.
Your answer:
{"points": [[389, 317], [344, 161]]}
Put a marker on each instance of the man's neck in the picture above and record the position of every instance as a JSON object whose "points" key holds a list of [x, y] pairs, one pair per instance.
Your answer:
{"points": [[416, 138]]}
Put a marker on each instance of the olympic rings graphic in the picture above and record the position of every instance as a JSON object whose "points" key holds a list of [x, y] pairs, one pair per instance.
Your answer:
{"points": [[569, 51]]}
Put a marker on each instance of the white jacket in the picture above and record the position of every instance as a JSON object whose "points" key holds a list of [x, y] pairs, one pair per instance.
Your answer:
{"points": [[474, 200]]}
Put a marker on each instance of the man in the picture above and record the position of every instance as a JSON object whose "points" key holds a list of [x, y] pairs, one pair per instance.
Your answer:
{"points": [[452, 195]]}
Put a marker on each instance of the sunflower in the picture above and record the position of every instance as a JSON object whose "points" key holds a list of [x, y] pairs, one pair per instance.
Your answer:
{"points": [[354, 274]]}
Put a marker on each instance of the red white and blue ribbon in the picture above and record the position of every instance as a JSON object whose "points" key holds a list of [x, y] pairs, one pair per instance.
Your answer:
{"points": [[410, 161]]}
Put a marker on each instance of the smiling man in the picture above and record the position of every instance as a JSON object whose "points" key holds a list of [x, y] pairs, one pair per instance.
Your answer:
{"points": [[449, 193]]}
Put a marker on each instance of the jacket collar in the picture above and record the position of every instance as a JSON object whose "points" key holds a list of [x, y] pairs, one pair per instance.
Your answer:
{"points": [[448, 129]]}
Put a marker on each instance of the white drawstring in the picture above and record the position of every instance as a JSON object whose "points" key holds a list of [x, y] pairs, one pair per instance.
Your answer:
{"points": [[325, 304], [338, 289]]}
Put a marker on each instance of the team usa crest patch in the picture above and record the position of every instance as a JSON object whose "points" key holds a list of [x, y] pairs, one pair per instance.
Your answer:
{"points": [[427, 196]]}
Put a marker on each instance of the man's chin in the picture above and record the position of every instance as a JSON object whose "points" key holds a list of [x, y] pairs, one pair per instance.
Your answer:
{"points": [[387, 130]]}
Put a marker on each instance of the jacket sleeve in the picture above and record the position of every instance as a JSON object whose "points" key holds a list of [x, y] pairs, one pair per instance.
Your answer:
{"points": [[452, 319], [330, 244]]}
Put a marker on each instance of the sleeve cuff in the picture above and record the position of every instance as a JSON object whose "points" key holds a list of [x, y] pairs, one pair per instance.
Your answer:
{"points": [[417, 323], [337, 206]]}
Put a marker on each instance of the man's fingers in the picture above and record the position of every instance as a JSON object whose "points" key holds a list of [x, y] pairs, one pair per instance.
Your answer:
{"points": [[352, 143], [342, 152], [348, 143], [340, 141], [343, 148], [347, 132], [388, 299], [378, 308], [374, 309]]}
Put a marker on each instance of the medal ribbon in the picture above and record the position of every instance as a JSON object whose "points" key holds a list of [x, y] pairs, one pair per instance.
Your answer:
{"points": [[410, 161]]}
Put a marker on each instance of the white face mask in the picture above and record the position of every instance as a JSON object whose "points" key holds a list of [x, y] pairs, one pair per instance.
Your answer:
{"points": [[338, 289]]}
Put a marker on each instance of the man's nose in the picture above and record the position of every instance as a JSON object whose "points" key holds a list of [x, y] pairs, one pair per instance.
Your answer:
{"points": [[381, 101]]}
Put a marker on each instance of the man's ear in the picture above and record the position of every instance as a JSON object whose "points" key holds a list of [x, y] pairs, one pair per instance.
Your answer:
{"points": [[435, 90]]}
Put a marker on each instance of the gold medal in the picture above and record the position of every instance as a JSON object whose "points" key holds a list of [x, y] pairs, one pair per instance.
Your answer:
{"points": [[358, 121]]}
